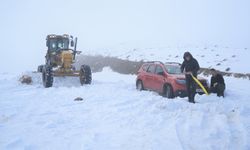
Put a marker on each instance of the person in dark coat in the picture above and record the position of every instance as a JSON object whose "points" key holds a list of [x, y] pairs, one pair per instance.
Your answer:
{"points": [[217, 83], [190, 66]]}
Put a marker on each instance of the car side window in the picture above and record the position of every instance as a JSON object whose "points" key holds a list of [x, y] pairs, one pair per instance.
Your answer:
{"points": [[151, 69], [159, 70], [145, 67]]}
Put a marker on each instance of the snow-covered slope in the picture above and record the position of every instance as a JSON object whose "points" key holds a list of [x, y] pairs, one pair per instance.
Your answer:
{"points": [[114, 115], [222, 58]]}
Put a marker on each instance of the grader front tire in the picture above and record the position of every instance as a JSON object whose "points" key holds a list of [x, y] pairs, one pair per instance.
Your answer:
{"points": [[85, 75], [47, 77]]}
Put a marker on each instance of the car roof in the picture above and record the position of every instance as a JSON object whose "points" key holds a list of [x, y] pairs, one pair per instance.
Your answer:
{"points": [[166, 63], [153, 62], [172, 63]]}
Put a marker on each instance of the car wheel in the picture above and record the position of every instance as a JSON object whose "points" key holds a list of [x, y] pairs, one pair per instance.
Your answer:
{"points": [[139, 85], [168, 91]]}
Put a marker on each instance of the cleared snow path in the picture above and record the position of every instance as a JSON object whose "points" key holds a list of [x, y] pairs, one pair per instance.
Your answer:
{"points": [[113, 115]]}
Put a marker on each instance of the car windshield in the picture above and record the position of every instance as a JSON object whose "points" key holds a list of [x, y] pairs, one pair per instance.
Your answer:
{"points": [[58, 44], [173, 69]]}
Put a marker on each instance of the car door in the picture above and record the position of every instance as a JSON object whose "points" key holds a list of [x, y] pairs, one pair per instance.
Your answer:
{"points": [[159, 78], [149, 77]]}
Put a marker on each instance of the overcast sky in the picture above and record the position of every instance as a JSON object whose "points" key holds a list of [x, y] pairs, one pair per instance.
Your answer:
{"points": [[101, 23]]}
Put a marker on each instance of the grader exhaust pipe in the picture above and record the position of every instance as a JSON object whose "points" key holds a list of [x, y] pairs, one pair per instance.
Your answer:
{"points": [[75, 47]]}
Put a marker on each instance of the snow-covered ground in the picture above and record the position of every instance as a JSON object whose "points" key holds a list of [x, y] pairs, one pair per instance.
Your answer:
{"points": [[114, 115], [218, 57]]}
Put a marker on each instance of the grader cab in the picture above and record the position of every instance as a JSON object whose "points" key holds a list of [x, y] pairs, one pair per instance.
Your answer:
{"points": [[60, 58]]}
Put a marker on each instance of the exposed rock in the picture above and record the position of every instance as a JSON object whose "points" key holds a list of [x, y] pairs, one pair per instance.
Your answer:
{"points": [[239, 75], [25, 79], [78, 99], [228, 69], [248, 75]]}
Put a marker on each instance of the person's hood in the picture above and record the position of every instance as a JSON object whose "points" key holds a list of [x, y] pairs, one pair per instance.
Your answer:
{"points": [[187, 54]]}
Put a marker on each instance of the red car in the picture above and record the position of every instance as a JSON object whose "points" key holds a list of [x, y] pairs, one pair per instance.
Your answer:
{"points": [[165, 79]]}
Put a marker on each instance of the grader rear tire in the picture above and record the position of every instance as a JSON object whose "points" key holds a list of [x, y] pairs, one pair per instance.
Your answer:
{"points": [[85, 75], [40, 68], [47, 77]]}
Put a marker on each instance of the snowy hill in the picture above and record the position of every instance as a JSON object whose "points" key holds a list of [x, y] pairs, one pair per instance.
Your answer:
{"points": [[114, 115], [221, 58]]}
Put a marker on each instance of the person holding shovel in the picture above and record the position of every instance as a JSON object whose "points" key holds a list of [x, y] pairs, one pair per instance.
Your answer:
{"points": [[190, 66]]}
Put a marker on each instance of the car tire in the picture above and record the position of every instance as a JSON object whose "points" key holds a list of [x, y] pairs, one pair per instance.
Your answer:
{"points": [[139, 85], [168, 92]]}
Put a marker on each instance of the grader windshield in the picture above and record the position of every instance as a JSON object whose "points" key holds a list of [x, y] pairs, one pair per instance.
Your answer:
{"points": [[57, 44]]}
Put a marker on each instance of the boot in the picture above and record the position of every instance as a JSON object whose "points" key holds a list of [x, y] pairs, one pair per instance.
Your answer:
{"points": [[191, 100]]}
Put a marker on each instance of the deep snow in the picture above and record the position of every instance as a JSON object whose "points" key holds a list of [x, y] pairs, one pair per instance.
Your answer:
{"points": [[114, 115]]}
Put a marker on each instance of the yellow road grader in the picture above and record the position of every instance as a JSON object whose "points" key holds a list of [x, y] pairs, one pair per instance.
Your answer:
{"points": [[60, 57]]}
